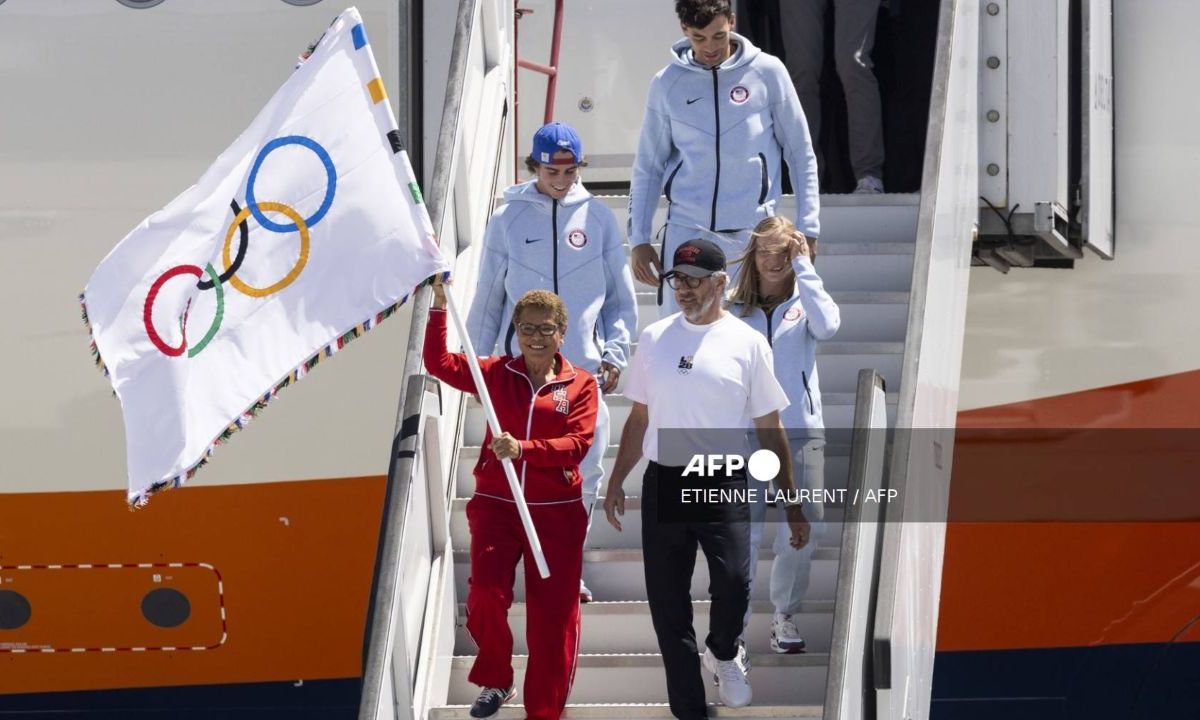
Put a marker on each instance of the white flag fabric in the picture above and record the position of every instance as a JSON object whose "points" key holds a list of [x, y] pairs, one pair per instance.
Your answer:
{"points": [[307, 232]]}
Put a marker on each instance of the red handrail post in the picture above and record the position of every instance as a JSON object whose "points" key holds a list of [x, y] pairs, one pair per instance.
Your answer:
{"points": [[555, 44], [550, 71]]}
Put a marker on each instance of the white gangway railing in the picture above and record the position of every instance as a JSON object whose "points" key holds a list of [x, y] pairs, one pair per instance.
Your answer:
{"points": [[412, 612]]}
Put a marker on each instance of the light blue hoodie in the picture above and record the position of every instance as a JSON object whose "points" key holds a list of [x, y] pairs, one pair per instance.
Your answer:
{"points": [[571, 247], [793, 328], [714, 140]]}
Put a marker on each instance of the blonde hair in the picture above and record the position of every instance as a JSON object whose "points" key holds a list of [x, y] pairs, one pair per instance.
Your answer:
{"points": [[745, 291], [542, 300]]}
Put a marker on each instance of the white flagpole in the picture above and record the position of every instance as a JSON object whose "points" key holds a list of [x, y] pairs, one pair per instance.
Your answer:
{"points": [[494, 424]]}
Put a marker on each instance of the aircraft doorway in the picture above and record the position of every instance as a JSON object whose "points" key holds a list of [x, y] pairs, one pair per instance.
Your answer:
{"points": [[903, 55]]}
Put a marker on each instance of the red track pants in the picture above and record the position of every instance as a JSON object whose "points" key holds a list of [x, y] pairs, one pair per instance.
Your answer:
{"points": [[552, 605]]}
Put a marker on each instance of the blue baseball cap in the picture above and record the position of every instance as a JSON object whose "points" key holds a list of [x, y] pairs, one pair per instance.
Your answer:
{"points": [[552, 138]]}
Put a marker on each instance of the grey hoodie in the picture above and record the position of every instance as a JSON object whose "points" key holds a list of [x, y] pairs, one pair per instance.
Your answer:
{"points": [[714, 140], [571, 247], [793, 328]]}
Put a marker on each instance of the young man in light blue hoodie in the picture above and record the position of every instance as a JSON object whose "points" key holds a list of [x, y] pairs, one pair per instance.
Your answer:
{"points": [[721, 120], [552, 234]]}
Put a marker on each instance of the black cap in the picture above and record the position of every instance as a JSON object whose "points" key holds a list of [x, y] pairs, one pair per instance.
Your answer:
{"points": [[698, 258]]}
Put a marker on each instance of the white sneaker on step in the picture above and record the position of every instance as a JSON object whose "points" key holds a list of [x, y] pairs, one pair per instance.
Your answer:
{"points": [[785, 637], [732, 686], [585, 595], [869, 185]]}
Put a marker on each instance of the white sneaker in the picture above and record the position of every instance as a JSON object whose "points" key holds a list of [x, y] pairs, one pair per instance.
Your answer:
{"points": [[732, 686], [785, 637], [869, 185], [585, 595]]}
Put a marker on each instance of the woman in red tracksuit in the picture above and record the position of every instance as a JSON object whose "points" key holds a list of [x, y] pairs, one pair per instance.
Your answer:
{"points": [[547, 408]]}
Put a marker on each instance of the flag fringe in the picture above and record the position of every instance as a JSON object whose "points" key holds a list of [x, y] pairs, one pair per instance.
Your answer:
{"points": [[140, 499]]}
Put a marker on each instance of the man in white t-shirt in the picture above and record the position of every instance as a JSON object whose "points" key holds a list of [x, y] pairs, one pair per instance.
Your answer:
{"points": [[699, 370]]}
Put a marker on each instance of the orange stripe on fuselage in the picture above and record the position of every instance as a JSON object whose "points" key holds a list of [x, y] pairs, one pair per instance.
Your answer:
{"points": [[1011, 585], [295, 561]]}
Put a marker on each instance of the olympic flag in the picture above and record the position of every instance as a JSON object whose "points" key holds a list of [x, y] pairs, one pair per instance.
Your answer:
{"points": [[305, 233]]}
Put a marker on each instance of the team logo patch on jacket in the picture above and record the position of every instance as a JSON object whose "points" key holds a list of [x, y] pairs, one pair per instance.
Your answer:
{"points": [[561, 403], [685, 364], [739, 94], [577, 239], [794, 313]]}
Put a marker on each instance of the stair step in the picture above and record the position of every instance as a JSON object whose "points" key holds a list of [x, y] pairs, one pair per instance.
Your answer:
{"points": [[635, 711], [625, 627], [617, 574], [844, 218], [605, 536], [837, 408], [638, 678], [837, 464], [866, 315]]}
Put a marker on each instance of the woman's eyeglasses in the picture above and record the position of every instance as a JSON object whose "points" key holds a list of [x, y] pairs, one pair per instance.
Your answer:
{"points": [[546, 330], [675, 280]]}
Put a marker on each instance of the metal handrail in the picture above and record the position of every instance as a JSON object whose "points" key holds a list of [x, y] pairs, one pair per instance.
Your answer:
{"points": [[385, 603], [848, 687], [550, 71]]}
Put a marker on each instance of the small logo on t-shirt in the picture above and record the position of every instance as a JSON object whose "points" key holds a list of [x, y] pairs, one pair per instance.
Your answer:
{"points": [[794, 313], [561, 404], [577, 239], [685, 364], [739, 94]]}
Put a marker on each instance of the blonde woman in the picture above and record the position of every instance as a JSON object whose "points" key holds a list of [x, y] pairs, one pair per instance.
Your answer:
{"points": [[779, 294]]}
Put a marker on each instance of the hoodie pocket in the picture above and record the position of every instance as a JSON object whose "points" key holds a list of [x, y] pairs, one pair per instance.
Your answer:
{"points": [[671, 179], [766, 183]]}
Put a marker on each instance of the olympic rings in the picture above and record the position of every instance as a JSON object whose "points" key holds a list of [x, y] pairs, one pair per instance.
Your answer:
{"points": [[241, 253], [296, 269], [330, 186], [148, 311], [208, 279]]}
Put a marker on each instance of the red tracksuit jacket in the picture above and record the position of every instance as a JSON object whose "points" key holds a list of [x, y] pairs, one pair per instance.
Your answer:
{"points": [[563, 410]]}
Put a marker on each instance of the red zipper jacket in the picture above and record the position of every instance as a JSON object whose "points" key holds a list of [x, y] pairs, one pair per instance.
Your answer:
{"points": [[554, 423]]}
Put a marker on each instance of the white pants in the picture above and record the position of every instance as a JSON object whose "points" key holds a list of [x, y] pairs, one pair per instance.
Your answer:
{"points": [[592, 467], [791, 569]]}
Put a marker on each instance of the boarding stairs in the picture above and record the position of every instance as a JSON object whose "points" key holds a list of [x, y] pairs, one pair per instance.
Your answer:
{"points": [[866, 254], [896, 265]]}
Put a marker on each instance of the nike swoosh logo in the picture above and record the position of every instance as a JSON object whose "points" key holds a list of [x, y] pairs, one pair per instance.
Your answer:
{"points": [[527, 240], [689, 102]]}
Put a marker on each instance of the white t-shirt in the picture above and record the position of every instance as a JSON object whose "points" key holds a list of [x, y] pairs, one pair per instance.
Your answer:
{"points": [[715, 376]]}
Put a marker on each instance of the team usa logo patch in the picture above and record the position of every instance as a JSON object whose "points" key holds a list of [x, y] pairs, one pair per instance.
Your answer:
{"points": [[739, 94], [794, 313], [577, 239], [685, 364], [561, 404]]}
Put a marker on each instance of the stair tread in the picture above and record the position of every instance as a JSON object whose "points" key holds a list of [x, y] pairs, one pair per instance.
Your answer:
{"points": [[830, 450], [639, 607], [594, 555], [827, 399], [638, 660], [841, 297], [515, 711]]}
